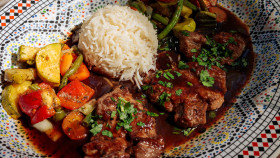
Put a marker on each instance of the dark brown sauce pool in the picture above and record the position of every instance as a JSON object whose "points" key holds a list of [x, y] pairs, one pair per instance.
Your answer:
{"points": [[237, 78]]}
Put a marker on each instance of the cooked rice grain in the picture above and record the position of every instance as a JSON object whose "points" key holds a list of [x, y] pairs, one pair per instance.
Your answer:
{"points": [[120, 42]]}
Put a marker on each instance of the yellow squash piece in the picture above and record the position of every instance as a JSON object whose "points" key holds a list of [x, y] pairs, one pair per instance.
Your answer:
{"points": [[27, 54], [10, 97], [48, 63], [188, 25], [186, 12], [20, 75]]}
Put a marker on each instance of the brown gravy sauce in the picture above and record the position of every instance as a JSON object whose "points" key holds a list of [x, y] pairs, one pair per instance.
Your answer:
{"points": [[237, 78]]}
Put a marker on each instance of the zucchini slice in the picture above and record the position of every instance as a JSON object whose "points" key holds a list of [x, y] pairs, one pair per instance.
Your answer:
{"points": [[48, 63]]}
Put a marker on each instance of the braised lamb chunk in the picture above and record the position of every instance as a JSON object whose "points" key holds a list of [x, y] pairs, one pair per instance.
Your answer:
{"points": [[214, 96], [224, 47], [129, 125], [148, 147], [191, 43], [191, 112], [165, 59], [181, 90], [103, 146], [117, 154], [148, 130], [108, 102], [236, 44]]}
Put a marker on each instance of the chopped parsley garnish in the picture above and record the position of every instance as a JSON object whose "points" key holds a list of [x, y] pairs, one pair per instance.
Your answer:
{"points": [[212, 114], [235, 63], [233, 31], [182, 65], [231, 40], [162, 83], [162, 113], [206, 79], [125, 110], [113, 99], [166, 76], [145, 87], [189, 83], [170, 75], [113, 114], [166, 84], [152, 114], [186, 132], [178, 92], [107, 133], [169, 85], [95, 128], [143, 96], [175, 132], [185, 33], [141, 124], [193, 50], [164, 97], [244, 62], [178, 73], [108, 125], [158, 74], [213, 53]]}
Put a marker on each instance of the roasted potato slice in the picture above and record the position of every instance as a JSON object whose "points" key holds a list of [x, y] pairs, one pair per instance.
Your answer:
{"points": [[10, 97], [20, 75], [48, 63]]}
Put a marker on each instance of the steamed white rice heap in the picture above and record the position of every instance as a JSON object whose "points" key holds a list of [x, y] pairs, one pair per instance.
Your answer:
{"points": [[119, 41]]}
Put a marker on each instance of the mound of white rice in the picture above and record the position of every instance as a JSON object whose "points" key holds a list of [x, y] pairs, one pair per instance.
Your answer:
{"points": [[120, 42]]}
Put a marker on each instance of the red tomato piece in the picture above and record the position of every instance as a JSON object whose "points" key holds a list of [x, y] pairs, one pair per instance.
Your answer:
{"points": [[75, 94], [42, 113], [29, 102]]}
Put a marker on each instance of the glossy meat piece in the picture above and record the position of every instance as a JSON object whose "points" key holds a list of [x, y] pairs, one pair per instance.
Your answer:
{"points": [[105, 104], [190, 106], [122, 142], [191, 112], [237, 47], [214, 95], [150, 148], [192, 42], [103, 146], [165, 59], [147, 131], [117, 154]]}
